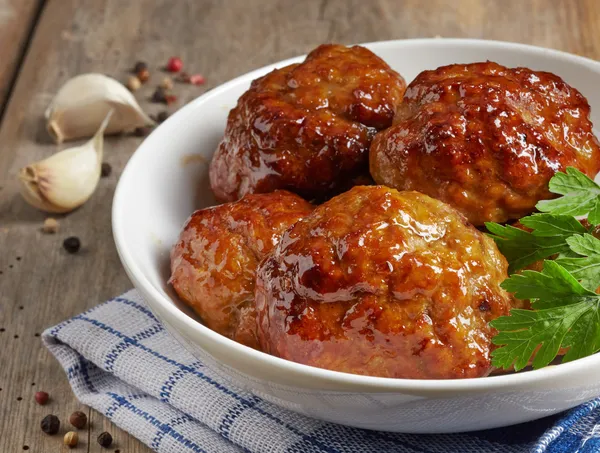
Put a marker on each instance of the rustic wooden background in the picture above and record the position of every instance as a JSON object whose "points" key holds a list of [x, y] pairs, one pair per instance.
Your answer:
{"points": [[44, 43]]}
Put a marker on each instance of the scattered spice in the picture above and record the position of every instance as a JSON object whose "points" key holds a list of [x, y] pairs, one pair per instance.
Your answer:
{"points": [[184, 77], [50, 424], [105, 170], [71, 439], [72, 244], [162, 116], [175, 64], [105, 439], [197, 79], [133, 83], [141, 131], [167, 83], [170, 99], [50, 225], [140, 66], [78, 419], [159, 95], [41, 398], [143, 75]]}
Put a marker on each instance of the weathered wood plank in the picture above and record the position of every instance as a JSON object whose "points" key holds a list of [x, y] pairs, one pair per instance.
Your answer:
{"points": [[17, 17], [221, 40]]}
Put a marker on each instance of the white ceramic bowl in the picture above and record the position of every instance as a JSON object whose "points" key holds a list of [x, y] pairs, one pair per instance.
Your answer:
{"points": [[167, 179]]}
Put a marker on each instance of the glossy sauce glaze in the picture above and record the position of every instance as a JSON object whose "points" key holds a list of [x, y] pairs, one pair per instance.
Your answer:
{"points": [[383, 283], [486, 139], [214, 262], [307, 127]]}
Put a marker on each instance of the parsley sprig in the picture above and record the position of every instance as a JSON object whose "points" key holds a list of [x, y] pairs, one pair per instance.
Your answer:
{"points": [[565, 310]]}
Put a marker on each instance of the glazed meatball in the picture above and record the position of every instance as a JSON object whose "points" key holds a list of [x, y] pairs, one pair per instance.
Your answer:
{"points": [[486, 139], [213, 264], [383, 283], [307, 127]]}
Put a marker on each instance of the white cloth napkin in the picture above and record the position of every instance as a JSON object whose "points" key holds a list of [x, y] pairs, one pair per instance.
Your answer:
{"points": [[121, 361]]}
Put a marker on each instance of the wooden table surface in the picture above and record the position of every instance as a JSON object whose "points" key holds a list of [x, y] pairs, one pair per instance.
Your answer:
{"points": [[44, 43]]}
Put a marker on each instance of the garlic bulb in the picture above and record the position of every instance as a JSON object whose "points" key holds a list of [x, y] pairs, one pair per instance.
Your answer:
{"points": [[81, 104], [67, 179]]}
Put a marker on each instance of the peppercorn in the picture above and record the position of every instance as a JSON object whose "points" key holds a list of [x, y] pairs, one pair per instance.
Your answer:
{"points": [[71, 439], [105, 439], [141, 131], [41, 398], [197, 79], [139, 66], [133, 83], [183, 77], [175, 64], [167, 83], [50, 226], [105, 169], [159, 95], [170, 99], [162, 116], [143, 75], [78, 419], [72, 244], [50, 424]]}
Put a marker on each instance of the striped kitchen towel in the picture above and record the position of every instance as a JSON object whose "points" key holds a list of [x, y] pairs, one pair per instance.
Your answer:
{"points": [[121, 361]]}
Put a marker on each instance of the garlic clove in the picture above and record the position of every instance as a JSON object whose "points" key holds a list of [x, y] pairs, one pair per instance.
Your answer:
{"points": [[81, 104], [67, 179]]}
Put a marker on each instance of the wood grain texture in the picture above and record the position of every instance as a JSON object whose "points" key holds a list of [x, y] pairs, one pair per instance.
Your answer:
{"points": [[221, 40], [17, 18]]}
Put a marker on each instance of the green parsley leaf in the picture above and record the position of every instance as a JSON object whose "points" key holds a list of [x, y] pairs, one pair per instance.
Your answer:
{"points": [[594, 215], [522, 248], [584, 337], [585, 266], [580, 196], [564, 315], [552, 287], [548, 225], [585, 245]]}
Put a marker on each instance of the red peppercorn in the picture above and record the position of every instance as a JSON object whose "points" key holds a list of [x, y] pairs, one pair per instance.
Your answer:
{"points": [[175, 64], [41, 398], [170, 99], [197, 79]]}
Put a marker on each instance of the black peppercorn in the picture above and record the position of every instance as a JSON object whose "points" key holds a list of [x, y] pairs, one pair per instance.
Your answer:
{"points": [[105, 439], [162, 116], [159, 95], [72, 244], [139, 67], [141, 131], [50, 424], [106, 169]]}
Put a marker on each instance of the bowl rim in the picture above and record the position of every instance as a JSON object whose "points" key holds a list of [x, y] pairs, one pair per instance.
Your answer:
{"points": [[153, 296]]}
